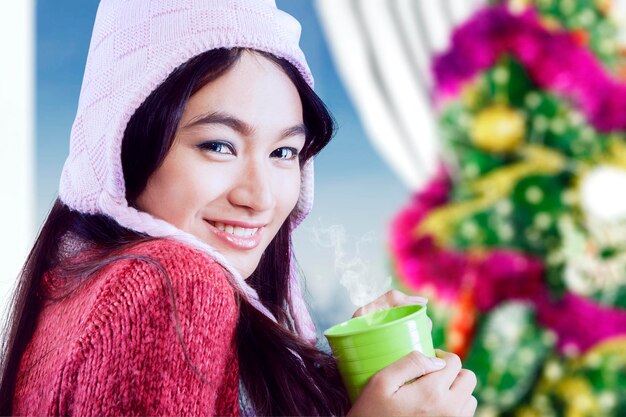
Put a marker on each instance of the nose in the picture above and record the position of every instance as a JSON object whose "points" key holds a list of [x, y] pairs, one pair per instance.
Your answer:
{"points": [[253, 189]]}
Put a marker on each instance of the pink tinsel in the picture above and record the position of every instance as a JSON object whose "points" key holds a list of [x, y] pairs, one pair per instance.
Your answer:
{"points": [[494, 277], [580, 323], [554, 60]]}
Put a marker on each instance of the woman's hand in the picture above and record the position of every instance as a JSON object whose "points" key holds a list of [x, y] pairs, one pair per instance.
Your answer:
{"points": [[390, 299], [442, 388]]}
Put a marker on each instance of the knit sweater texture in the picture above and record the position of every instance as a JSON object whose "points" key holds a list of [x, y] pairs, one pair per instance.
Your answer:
{"points": [[150, 334]]}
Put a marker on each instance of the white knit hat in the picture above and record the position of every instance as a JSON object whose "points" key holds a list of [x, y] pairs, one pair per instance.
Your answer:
{"points": [[135, 46]]}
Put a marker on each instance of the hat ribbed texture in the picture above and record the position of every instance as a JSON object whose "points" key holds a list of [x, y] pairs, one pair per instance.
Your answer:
{"points": [[135, 46]]}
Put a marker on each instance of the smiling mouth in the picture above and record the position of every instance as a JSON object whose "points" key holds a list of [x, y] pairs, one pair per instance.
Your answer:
{"points": [[237, 237]]}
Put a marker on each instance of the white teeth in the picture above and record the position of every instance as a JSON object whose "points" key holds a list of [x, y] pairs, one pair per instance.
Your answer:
{"points": [[242, 232], [235, 230]]}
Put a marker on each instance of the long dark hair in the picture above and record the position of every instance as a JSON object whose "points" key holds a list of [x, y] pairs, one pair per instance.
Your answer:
{"points": [[281, 373]]}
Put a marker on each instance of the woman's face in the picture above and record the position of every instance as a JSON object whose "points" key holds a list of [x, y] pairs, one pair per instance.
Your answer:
{"points": [[232, 175]]}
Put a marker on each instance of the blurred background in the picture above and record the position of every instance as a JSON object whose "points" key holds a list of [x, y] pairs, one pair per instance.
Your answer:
{"points": [[480, 160]]}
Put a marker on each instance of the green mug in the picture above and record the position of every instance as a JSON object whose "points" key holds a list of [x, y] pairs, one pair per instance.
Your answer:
{"points": [[364, 345]]}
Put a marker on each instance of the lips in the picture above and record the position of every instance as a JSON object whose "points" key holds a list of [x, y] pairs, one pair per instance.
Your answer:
{"points": [[238, 236]]}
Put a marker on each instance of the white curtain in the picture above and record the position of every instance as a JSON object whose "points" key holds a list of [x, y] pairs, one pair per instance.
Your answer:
{"points": [[383, 51]]}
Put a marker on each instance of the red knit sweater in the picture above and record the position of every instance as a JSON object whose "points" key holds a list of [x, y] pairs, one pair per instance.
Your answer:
{"points": [[112, 346]]}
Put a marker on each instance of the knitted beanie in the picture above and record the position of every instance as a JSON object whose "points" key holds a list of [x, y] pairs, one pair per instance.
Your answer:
{"points": [[135, 46]]}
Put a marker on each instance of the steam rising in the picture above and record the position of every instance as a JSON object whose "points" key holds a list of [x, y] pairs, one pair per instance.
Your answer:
{"points": [[354, 270]]}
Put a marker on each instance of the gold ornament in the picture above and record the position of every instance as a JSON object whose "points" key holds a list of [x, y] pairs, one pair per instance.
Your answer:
{"points": [[498, 129]]}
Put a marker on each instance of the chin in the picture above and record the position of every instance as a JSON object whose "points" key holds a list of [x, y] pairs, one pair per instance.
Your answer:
{"points": [[245, 274], [244, 263], [244, 270]]}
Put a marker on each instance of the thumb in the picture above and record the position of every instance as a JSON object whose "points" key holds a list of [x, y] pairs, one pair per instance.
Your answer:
{"points": [[407, 369]]}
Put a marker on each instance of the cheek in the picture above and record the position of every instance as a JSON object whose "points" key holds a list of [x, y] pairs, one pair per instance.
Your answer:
{"points": [[179, 189], [288, 191], [167, 196]]}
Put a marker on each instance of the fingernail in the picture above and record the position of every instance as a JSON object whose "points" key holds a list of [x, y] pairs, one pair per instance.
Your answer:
{"points": [[437, 363], [419, 300]]}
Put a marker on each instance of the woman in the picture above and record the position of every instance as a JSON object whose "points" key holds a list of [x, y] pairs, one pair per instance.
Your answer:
{"points": [[162, 282]]}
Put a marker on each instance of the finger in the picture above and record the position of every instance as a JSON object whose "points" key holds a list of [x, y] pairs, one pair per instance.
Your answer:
{"points": [[469, 408], [380, 303], [449, 373], [464, 383], [390, 299], [395, 298], [410, 367]]}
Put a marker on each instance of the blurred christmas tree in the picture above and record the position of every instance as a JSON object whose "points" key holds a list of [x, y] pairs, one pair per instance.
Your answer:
{"points": [[521, 239]]}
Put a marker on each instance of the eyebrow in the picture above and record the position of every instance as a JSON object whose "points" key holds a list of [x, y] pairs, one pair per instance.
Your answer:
{"points": [[239, 125]]}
